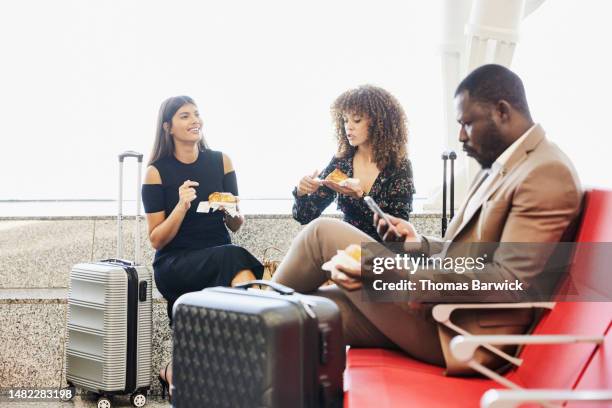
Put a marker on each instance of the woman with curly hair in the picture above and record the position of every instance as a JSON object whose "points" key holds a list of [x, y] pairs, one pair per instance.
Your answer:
{"points": [[371, 132]]}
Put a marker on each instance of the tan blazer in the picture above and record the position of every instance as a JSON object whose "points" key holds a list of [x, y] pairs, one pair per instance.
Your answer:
{"points": [[535, 197]]}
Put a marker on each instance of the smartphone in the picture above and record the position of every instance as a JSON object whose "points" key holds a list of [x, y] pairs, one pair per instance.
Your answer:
{"points": [[376, 209]]}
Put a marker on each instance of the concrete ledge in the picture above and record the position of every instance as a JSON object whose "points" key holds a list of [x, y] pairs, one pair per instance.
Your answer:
{"points": [[34, 332], [32, 296], [40, 253], [36, 256]]}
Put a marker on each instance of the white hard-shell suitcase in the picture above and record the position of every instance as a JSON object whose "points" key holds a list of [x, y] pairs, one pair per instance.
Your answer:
{"points": [[109, 325]]}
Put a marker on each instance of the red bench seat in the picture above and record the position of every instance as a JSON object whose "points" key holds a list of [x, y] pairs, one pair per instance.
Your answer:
{"points": [[384, 379]]}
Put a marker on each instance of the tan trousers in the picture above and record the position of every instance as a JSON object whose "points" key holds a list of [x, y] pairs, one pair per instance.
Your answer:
{"points": [[365, 324]]}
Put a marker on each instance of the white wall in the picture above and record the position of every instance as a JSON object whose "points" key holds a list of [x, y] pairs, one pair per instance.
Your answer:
{"points": [[82, 80], [565, 61]]}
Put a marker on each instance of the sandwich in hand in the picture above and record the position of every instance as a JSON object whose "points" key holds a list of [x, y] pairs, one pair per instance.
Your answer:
{"points": [[337, 176]]}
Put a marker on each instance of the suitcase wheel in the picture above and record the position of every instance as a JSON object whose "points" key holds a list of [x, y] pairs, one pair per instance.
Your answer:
{"points": [[104, 402], [138, 399], [68, 392]]}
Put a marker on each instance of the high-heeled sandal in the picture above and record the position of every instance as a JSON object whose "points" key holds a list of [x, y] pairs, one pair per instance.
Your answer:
{"points": [[165, 386]]}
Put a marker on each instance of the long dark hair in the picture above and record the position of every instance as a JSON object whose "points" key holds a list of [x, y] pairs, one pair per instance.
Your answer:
{"points": [[388, 131], [164, 144]]}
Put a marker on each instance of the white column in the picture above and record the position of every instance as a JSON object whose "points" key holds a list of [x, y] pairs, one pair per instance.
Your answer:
{"points": [[492, 34], [455, 14], [476, 32]]}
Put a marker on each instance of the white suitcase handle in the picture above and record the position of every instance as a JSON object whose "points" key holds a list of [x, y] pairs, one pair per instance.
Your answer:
{"points": [[122, 156]]}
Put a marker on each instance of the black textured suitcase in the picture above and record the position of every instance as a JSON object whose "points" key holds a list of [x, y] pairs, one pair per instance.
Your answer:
{"points": [[253, 348]]}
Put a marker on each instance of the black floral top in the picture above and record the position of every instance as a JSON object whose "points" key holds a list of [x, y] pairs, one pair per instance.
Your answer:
{"points": [[392, 190]]}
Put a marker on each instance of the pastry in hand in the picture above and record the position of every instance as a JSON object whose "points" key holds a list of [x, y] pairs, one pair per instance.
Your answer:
{"points": [[354, 251], [337, 176], [222, 198], [349, 257]]}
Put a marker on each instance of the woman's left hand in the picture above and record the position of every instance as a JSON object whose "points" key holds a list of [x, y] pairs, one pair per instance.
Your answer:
{"points": [[233, 222], [350, 189]]}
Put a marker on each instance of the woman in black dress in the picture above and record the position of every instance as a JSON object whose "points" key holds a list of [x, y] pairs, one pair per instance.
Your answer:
{"points": [[372, 136], [193, 249]]}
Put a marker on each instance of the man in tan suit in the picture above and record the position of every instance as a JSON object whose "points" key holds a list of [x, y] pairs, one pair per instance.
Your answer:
{"points": [[527, 192]]}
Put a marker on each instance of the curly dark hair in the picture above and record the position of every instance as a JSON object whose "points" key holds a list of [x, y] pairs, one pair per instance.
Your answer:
{"points": [[388, 131]]}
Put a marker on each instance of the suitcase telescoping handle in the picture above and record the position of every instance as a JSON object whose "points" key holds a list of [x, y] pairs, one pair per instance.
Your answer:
{"points": [[277, 287], [122, 157], [444, 219], [452, 156], [448, 155]]}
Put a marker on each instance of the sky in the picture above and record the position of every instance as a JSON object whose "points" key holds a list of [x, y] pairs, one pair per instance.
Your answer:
{"points": [[82, 81]]}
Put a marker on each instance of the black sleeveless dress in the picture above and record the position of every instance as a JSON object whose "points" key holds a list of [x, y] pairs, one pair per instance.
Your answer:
{"points": [[201, 254]]}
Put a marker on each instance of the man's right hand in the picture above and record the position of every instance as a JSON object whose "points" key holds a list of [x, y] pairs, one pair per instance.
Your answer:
{"points": [[402, 230], [187, 194], [308, 184]]}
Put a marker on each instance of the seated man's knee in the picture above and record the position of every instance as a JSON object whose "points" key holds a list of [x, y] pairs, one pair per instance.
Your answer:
{"points": [[323, 226]]}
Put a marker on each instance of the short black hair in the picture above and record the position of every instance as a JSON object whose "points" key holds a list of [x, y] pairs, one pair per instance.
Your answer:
{"points": [[491, 83]]}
